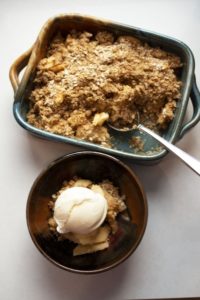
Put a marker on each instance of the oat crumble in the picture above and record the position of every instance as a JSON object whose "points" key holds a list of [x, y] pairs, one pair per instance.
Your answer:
{"points": [[87, 79]]}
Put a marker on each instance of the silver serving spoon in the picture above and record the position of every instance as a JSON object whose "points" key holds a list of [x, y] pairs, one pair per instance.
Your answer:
{"points": [[190, 161]]}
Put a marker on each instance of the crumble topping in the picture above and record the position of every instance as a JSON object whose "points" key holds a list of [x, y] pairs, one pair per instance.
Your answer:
{"points": [[88, 79]]}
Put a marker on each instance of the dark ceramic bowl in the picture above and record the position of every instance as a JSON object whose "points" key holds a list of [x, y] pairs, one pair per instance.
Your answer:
{"points": [[96, 167], [152, 153]]}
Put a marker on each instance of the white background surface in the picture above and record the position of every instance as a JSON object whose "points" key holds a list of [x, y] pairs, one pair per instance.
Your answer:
{"points": [[167, 262]]}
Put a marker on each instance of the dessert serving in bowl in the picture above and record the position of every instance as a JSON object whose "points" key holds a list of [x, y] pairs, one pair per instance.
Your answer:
{"points": [[87, 212], [84, 74]]}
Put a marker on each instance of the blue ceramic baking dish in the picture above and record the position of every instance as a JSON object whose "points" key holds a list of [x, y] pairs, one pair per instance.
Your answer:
{"points": [[152, 153]]}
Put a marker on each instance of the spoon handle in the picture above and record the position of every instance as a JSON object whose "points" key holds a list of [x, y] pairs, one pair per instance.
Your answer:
{"points": [[190, 161]]}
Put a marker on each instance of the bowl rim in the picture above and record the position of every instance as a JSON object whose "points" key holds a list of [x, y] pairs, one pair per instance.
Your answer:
{"points": [[96, 154]]}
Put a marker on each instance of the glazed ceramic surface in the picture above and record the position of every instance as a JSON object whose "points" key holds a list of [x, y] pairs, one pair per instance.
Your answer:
{"points": [[96, 167]]}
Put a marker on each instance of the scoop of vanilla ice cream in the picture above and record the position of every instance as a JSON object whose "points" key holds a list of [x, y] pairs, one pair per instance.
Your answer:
{"points": [[79, 210]]}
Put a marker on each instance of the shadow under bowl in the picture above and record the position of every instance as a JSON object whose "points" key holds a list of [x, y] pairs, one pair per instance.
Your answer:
{"points": [[96, 167]]}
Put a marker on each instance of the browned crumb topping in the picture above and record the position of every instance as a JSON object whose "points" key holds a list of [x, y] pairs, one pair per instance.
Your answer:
{"points": [[98, 239], [137, 143], [87, 79]]}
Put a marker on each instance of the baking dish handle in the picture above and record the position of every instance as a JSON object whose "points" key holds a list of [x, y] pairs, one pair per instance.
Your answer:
{"points": [[16, 68], [195, 98]]}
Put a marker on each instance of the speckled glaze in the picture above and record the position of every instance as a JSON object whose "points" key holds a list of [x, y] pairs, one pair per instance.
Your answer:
{"points": [[96, 167], [152, 153]]}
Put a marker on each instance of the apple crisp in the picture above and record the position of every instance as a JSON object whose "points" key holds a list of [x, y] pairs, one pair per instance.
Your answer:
{"points": [[99, 238], [88, 79]]}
